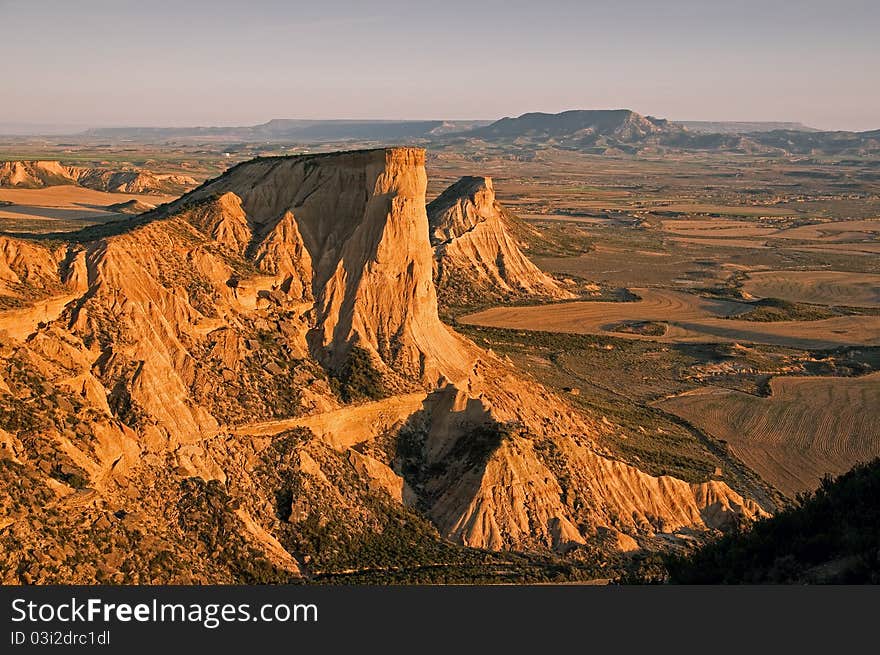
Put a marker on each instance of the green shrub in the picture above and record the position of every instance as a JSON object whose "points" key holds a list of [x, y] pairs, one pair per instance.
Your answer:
{"points": [[358, 378]]}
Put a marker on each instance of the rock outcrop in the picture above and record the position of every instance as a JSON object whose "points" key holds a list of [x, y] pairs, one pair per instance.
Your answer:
{"points": [[361, 218], [132, 206], [175, 398], [39, 174], [477, 261]]}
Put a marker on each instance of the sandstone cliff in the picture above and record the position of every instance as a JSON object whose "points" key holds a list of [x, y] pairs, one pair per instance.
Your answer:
{"points": [[361, 217], [176, 400], [477, 261]]}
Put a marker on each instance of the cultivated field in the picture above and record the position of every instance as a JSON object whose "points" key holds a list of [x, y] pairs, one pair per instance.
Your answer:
{"points": [[863, 230], [688, 318], [819, 287], [62, 208], [808, 427]]}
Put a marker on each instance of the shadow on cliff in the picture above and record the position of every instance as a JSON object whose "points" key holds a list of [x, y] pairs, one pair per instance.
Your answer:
{"points": [[444, 448]]}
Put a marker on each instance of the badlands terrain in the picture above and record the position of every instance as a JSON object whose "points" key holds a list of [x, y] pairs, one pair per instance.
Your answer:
{"points": [[539, 350]]}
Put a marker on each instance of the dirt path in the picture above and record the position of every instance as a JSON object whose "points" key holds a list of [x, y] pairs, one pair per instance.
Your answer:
{"points": [[21, 323], [345, 427]]}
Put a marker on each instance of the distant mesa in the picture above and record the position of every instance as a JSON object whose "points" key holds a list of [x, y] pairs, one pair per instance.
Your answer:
{"points": [[41, 174], [584, 125], [743, 127], [301, 130], [624, 131]]}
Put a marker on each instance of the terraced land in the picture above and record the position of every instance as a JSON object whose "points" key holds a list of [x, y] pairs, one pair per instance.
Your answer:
{"points": [[808, 427], [819, 287]]}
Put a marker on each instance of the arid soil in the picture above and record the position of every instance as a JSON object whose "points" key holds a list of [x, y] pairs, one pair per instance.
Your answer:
{"points": [[808, 427], [63, 208], [819, 287], [689, 319]]}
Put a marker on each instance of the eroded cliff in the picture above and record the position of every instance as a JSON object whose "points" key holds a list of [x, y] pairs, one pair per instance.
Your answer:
{"points": [[477, 261], [252, 384]]}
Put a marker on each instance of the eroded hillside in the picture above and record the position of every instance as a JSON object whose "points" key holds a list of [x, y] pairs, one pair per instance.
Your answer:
{"points": [[252, 384], [39, 174], [477, 261]]}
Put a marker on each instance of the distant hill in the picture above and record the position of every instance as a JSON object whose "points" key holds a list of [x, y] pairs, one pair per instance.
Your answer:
{"points": [[577, 128], [833, 143], [625, 131], [742, 127], [133, 206], [829, 536], [298, 130]]}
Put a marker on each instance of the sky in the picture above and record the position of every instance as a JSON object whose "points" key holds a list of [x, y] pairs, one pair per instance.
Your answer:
{"points": [[183, 63]]}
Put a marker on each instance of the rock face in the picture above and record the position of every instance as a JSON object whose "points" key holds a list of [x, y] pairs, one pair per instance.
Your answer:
{"points": [[132, 206], [33, 174], [38, 174], [476, 259], [174, 399], [361, 220]]}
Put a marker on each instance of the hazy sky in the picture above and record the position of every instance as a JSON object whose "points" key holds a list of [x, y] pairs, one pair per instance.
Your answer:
{"points": [[174, 62]]}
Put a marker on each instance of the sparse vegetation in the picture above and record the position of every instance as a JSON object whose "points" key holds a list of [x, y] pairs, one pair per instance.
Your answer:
{"points": [[770, 310], [358, 378], [831, 535], [646, 328]]}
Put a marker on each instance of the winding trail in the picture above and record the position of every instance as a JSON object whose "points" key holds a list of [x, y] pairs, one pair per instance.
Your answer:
{"points": [[21, 323], [347, 426]]}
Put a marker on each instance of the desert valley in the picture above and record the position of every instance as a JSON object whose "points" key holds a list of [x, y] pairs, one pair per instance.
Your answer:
{"points": [[570, 347]]}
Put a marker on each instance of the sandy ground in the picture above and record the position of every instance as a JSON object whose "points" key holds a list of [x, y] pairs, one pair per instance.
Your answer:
{"points": [[690, 319], [850, 230], [819, 287], [65, 203], [808, 427]]}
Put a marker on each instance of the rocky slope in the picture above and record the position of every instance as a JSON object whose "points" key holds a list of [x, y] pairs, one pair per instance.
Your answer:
{"points": [[252, 384], [39, 174], [132, 206], [477, 261]]}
